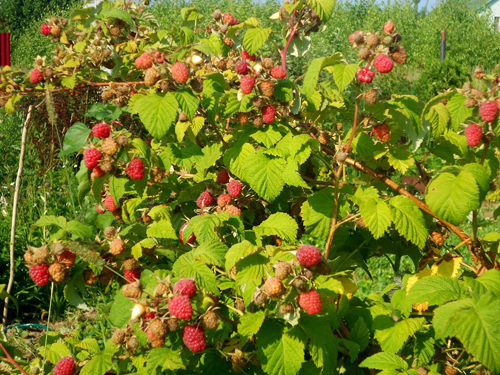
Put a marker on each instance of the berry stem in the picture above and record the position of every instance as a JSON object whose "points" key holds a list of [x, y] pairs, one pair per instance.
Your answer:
{"points": [[347, 148], [333, 225], [12, 360], [293, 29]]}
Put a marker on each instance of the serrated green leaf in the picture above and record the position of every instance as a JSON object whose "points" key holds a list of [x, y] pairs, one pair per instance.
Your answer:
{"points": [[268, 136], [393, 335], [436, 290], [212, 252], [439, 118], [385, 361], [188, 266], [211, 154], [48, 220], [279, 224], [360, 334], [250, 324], [409, 220], [312, 75], [117, 188], [121, 308], [264, 175], [481, 176], [165, 358], [317, 213], [237, 252], [157, 112], [162, 229], [236, 157], [324, 8], [377, 216], [344, 74], [323, 347], [458, 111], [255, 38], [252, 268], [187, 101], [75, 138], [400, 158]]}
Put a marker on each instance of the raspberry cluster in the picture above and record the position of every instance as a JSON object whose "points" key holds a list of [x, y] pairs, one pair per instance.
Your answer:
{"points": [[49, 265]]}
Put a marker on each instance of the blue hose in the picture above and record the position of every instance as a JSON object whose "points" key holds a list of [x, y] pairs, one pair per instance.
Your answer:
{"points": [[28, 325]]}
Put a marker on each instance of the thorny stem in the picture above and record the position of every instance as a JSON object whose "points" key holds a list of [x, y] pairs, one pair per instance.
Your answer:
{"points": [[293, 29], [12, 360], [333, 225]]}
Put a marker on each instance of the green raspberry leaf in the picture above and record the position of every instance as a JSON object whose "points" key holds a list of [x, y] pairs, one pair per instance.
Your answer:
{"points": [[409, 220], [279, 224]]}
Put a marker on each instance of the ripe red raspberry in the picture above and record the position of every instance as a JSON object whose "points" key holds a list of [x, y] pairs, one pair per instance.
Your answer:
{"points": [[223, 200], [191, 238], [388, 27], [45, 29], [110, 204], [194, 338], [274, 287], [92, 156], [40, 274], [180, 307], [101, 130], [233, 210], [242, 67], [145, 61], [135, 169], [474, 133], [65, 366], [36, 76], [133, 275], [99, 209], [185, 287], [268, 113], [180, 72], [310, 302], [278, 72], [67, 258], [382, 132], [383, 63], [205, 199], [228, 19], [365, 75], [98, 172], [488, 111], [308, 255], [223, 177], [246, 56], [247, 84], [234, 188]]}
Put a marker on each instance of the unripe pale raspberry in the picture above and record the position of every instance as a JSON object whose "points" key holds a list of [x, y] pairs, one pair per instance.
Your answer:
{"points": [[36, 76], [151, 76], [234, 188], [308, 255], [67, 258], [130, 264], [89, 277], [135, 169], [267, 88], [399, 55], [228, 19], [185, 287], [41, 255], [278, 72], [117, 246], [101, 130], [118, 337], [91, 157], [352, 36], [268, 63], [365, 75], [382, 132], [364, 53], [109, 146], [310, 302], [110, 232], [145, 61], [132, 275], [233, 210], [65, 366], [223, 177], [180, 72], [474, 133], [210, 320], [437, 238], [274, 287], [223, 200], [372, 40], [191, 238], [242, 67], [283, 269], [488, 111], [247, 84], [40, 274], [161, 290], [205, 199], [388, 27], [45, 29], [159, 328], [370, 97], [383, 63], [132, 290], [180, 307], [110, 204], [268, 113], [243, 119], [194, 338]]}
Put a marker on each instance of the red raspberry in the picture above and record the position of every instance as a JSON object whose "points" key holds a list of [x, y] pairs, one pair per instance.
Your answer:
{"points": [[110, 204], [36, 76], [135, 169], [92, 156], [160, 57], [234, 188], [180, 307], [132, 275], [205, 199], [311, 302], [40, 274], [488, 111], [233, 210], [67, 258], [242, 67], [191, 238], [473, 133], [65, 366], [278, 72], [268, 113], [308, 255], [228, 18], [145, 61], [382, 132], [246, 56], [365, 75], [101, 130], [223, 177], [388, 27], [383, 63], [185, 287], [246, 84], [223, 200], [353, 36], [99, 210], [180, 72], [45, 29], [98, 172], [194, 338]]}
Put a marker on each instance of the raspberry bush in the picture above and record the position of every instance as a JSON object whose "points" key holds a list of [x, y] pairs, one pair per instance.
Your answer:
{"points": [[228, 231]]}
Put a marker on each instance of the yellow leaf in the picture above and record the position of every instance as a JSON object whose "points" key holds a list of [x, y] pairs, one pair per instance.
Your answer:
{"points": [[446, 266], [349, 287]]}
